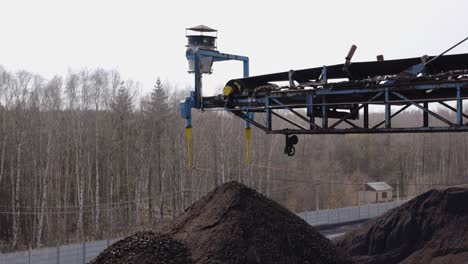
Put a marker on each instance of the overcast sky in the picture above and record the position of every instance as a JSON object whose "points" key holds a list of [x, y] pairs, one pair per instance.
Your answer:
{"points": [[146, 39]]}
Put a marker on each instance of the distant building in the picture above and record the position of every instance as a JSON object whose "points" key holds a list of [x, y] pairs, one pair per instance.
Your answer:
{"points": [[375, 192]]}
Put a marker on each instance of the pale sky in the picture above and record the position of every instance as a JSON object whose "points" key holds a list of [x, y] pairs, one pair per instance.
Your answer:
{"points": [[146, 39]]}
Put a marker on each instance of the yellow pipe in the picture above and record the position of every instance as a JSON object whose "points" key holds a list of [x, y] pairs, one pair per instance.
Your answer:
{"points": [[188, 135]]}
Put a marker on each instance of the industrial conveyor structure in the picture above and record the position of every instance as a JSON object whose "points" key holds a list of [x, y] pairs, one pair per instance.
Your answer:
{"points": [[340, 95]]}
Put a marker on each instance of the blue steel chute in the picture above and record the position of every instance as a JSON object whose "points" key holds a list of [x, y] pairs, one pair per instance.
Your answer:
{"points": [[201, 53]]}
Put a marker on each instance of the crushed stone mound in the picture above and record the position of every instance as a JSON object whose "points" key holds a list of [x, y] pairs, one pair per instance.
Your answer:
{"points": [[234, 224], [145, 248], [431, 228]]}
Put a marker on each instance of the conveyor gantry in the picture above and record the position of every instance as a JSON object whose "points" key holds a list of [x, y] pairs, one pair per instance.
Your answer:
{"points": [[341, 96]]}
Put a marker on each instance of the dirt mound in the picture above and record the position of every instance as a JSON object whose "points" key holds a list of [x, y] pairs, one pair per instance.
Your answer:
{"points": [[234, 224], [431, 228], [145, 248]]}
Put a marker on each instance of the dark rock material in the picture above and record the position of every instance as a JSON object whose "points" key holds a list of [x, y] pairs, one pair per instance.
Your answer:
{"points": [[431, 228], [145, 248], [234, 224]]}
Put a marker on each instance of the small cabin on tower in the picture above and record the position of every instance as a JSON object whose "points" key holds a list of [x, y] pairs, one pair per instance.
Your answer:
{"points": [[201, 37]]}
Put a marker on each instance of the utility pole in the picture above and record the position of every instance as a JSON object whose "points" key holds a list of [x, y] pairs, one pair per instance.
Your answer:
{"points": [[316, 197], [357, 194], [398, 188]]}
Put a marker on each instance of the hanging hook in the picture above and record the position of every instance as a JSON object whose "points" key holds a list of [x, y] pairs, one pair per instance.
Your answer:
{"points": [[289, 149]]}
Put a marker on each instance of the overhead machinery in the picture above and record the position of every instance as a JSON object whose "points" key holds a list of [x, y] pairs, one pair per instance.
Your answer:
{"points": [[340, 95]]}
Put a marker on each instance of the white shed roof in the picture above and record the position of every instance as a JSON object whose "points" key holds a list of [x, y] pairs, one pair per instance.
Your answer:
{"points": [[380, 186]]}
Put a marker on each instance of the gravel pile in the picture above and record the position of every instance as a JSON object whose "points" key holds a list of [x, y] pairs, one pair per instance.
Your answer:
{"points": [[234, 224], [431, 228], [145, 248]]}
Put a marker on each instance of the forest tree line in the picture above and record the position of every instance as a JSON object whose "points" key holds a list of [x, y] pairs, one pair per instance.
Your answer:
{"points": [[86, 156]]}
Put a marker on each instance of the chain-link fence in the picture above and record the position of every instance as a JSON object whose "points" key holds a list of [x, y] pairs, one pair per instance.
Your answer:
{"points": [[70, 254], [347, 214], [84, 252]]}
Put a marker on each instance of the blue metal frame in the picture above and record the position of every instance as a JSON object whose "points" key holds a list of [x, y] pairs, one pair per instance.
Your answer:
{"points": [[196, 99], [346, 103], [387, 95], [217, 56]]}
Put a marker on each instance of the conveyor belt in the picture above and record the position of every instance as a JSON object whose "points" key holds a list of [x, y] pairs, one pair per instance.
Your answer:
{"points": [[357, 71]]}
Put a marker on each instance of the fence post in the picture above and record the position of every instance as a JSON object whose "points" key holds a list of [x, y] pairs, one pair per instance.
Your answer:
{"points": [[317, 217], [29, 255], [368, 210], [58, 254], [84, 252], [328, 222]]}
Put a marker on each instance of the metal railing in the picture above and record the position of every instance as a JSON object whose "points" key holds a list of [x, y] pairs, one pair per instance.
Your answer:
{"points": [[347, 214], [84, 252], [71, 254]]}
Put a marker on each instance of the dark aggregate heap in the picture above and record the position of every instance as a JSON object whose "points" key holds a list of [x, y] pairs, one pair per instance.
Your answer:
{"points": [[234, 224], [431, 228], [145, 248]]}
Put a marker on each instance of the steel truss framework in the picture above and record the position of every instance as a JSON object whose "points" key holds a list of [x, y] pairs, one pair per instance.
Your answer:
{"points": [[318, 104], [342, 102], [342, 106], [415, 82]]}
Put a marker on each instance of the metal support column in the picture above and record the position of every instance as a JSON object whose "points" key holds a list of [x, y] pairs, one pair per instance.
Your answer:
{"points": [[324, 112], [388, 110], [310, 110], [366, 116], [426, 115], [268, 112], [459, 107], [198, 82], [246, 67]]}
